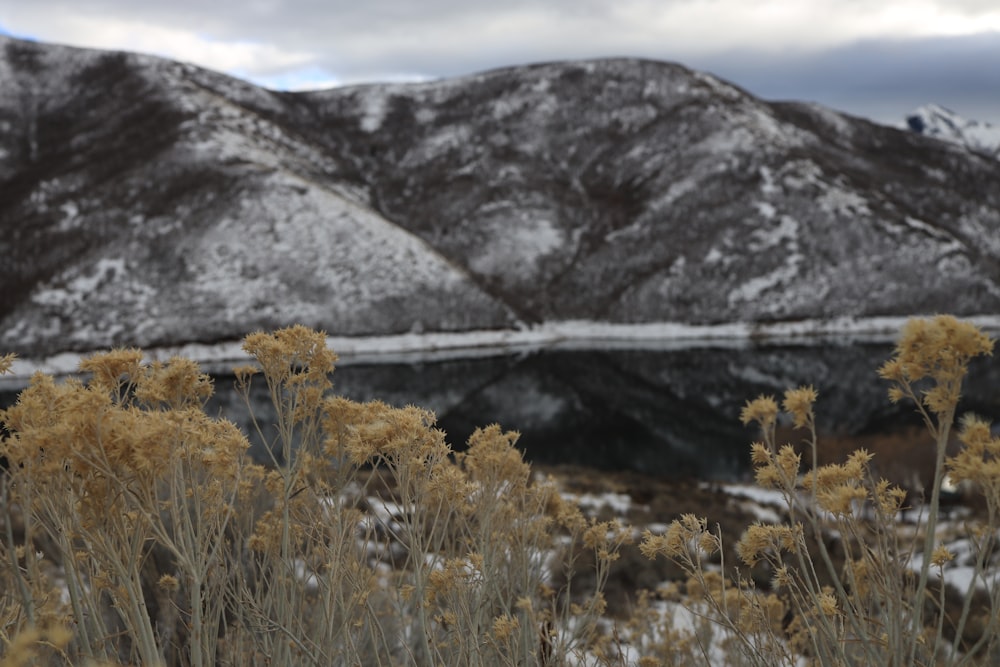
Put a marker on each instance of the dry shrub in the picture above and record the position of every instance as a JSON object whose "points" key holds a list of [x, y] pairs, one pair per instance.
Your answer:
{"points": [[137, 530], [366, 541], [879, 600]]}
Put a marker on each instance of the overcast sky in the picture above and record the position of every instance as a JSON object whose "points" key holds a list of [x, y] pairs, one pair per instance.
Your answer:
{"points": [[875, 58]]}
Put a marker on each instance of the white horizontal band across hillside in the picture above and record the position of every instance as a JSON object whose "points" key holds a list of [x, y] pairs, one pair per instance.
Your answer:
{"points": [[551, 335]]}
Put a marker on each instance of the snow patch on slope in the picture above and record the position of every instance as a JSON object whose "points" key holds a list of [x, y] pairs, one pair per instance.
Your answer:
{"points": [[524, 240], [375, 106], [768, 185], [755, 287], [834, 119], [763, 240], [765, 209], [75, 287], [843, 202], [354, 256]]}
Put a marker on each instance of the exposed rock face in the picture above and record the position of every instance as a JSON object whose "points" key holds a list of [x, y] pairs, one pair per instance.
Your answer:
{"points": [[146, 202]]}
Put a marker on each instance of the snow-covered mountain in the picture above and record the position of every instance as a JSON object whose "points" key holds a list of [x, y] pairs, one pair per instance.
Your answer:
{"points": [[942, 123], [149, 202]]}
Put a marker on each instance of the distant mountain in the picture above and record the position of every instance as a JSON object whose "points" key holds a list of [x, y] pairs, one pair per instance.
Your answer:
{"points": [[941, 123], [144, 201]]}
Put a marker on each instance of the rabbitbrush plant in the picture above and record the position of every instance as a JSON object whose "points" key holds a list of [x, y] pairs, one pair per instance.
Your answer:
{"points": [[883, 601], [136, 529]]}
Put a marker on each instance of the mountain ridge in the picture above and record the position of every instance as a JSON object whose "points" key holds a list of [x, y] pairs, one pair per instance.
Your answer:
{"points": [[151, 202]]}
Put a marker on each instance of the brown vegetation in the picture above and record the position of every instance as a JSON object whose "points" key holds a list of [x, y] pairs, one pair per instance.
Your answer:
{"points": [[135, 529]]}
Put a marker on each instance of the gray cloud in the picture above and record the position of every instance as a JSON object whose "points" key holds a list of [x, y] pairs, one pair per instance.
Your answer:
{"points": [[834, 51], [878, 78]]}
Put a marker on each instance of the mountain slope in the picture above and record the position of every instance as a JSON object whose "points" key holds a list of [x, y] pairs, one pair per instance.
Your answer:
{"points": [[144, 201], [181, 215]]}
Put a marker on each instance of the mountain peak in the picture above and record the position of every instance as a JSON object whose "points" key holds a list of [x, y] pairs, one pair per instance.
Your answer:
{"points": [[940, 122]]}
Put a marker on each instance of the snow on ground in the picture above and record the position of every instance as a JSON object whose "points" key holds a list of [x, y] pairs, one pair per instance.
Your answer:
{"points": [[375, 108], [765, 238], [79, 286], [593, 503], [834, 119], [952, 533], [844, 202], [961, 571], [768, 185], [765, 209], [923, 227], [523, 241], [785, 233], [758, 501], [752, 289]]}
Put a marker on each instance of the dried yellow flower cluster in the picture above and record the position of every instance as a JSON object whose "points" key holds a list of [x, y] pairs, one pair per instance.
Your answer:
{"points": [[775, 471], [941, 555], [6, 363], [370, 536], [978, 461], [504, 627], [752, 612], [453, 575], [296, 356], [27, 645], [939, 350], [763, 410], [778, 468], [759, 540], [799, 403], [864, 609], [375, 432], [841, 488], [686, 537], [124, 430]]}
